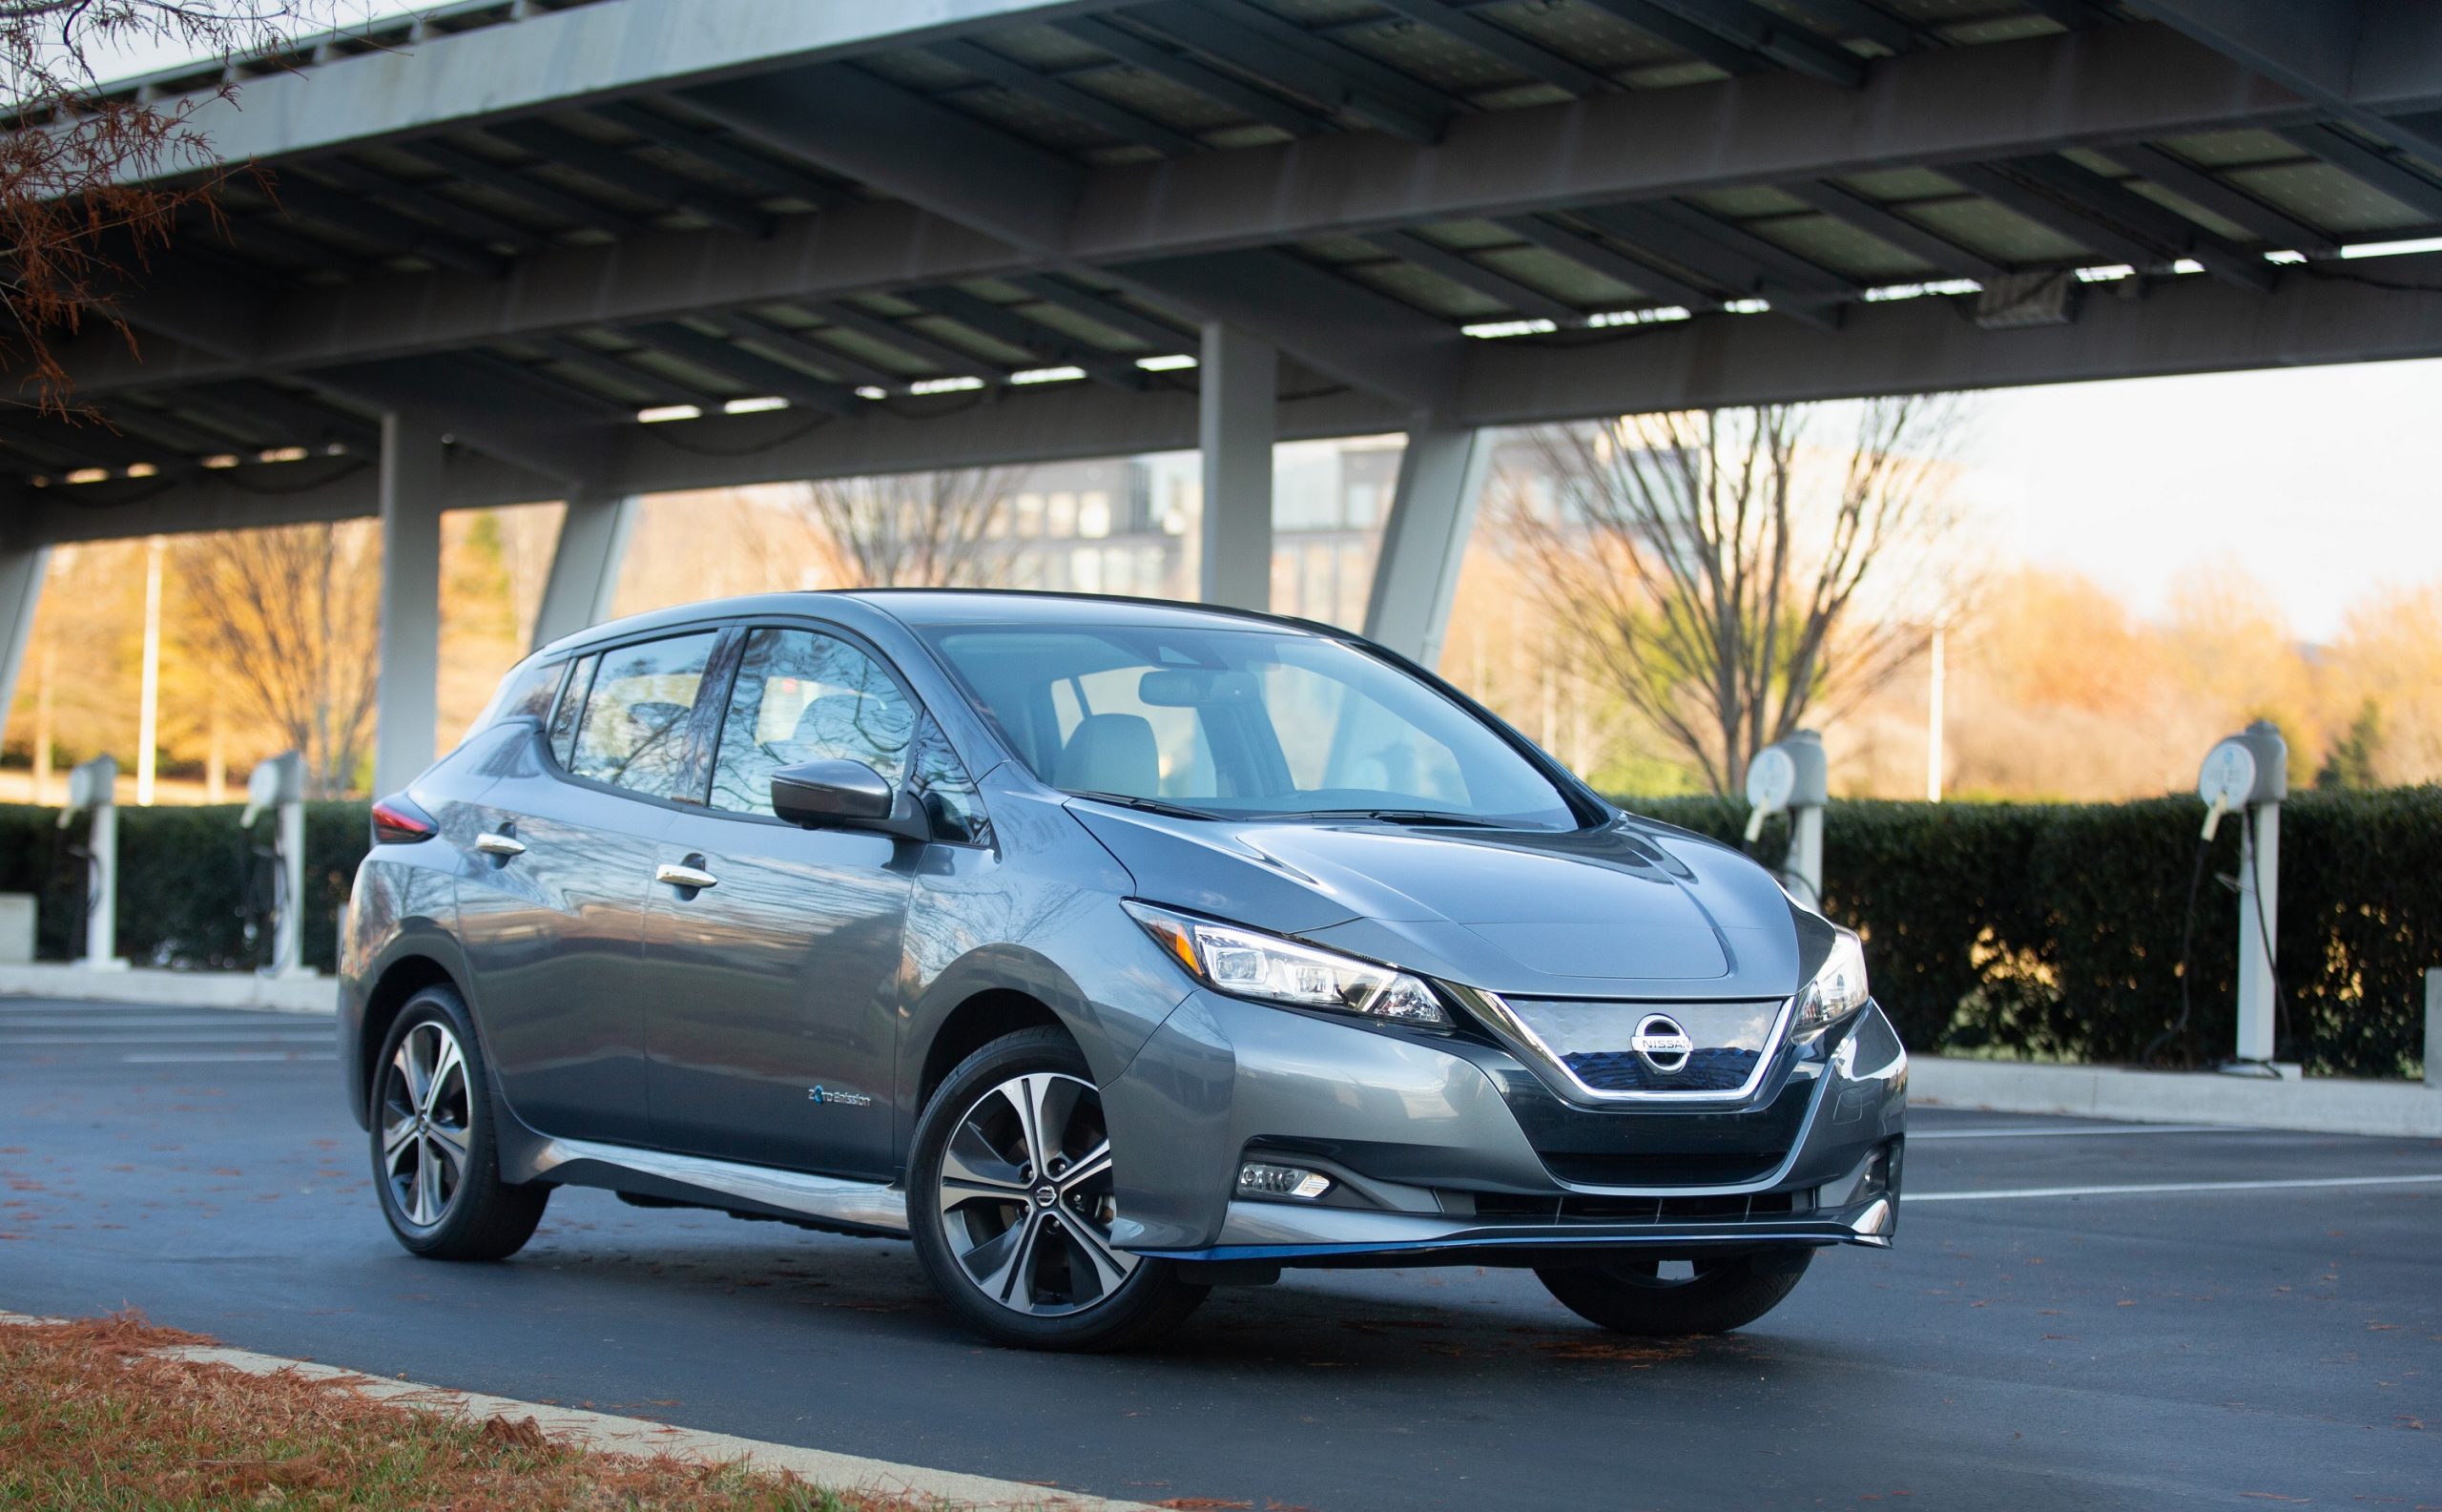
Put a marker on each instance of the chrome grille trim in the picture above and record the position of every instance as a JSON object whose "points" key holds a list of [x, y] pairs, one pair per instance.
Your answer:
{"points": [[1505, 1022]]}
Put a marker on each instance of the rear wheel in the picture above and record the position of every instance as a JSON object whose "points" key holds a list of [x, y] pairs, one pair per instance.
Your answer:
{"points": [[1010, 1204], [1714, 1294], [434, 1159]]}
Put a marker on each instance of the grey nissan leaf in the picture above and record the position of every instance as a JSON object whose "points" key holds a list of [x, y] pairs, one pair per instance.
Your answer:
{"points": [[1109, 950]]}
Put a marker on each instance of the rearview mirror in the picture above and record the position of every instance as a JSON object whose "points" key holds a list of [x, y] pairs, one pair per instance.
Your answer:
{"points": [[844, 795]]}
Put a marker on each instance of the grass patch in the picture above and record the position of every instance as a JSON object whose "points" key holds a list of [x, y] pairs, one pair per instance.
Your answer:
{"points": [[92, 1419]]}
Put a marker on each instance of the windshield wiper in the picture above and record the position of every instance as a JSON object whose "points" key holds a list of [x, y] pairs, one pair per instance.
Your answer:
{"points": [[1176, 811], [1418, 816]]}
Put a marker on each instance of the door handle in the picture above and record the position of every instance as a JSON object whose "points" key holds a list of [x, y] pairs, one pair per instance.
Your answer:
{"points": [[492, 842], [683, 875]]}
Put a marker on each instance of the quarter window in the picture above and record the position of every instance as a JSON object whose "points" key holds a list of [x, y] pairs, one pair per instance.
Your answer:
{"points": [[633, 733], [802, 697]]}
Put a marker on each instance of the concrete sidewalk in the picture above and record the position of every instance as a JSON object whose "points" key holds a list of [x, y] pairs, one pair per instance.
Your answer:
{"points": [[2317, 1104], [152, 987]]}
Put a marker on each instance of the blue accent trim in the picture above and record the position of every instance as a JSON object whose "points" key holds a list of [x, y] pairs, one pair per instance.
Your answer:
{"points": [[1556, 1240]]}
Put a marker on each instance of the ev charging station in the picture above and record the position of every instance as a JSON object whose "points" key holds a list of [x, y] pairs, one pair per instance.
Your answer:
{"points": [[278, 784], [1792, 774], [93, 786], [2247, 774]]}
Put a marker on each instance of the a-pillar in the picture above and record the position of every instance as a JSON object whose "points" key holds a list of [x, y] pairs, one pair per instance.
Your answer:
{"points": [[585, 564], [1433, 511], [21, 573], [412, 488], [1238, 378]]}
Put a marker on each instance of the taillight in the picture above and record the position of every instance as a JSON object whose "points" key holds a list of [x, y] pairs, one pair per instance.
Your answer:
{"points": [[397, 821]]}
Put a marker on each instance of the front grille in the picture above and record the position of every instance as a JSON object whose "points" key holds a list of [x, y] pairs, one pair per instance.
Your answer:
{"points": [[1596, 1041], [1707, 1070], [1736, 1208]]}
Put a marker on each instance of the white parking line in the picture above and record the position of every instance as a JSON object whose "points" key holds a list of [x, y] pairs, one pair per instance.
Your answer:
{"points": [[2115, 1130], [227, 1055], [234, 1036], [2168, 1186]]}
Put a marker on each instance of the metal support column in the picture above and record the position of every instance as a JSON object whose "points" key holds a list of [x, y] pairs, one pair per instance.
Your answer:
{"points": [[411, 492], [21, 575], [1235, 427], [584, 565], [1441, 477]]}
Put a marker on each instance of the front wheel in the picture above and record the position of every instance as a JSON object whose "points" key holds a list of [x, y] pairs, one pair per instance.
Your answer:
{"points": [[434, 1158], [1720, 1293], [1010, 1202]]}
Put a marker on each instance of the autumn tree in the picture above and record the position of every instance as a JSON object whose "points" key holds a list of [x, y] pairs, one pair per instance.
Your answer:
{"points": [[914, 529], [291, 616], [92, 183], [1735, 573]]}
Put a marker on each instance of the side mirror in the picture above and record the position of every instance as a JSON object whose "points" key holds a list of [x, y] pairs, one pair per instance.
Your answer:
{"points": [[844, 795]]}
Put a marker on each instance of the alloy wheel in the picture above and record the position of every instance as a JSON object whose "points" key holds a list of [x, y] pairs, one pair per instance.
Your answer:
{"points": [[427, 1123], [1025, 1197]]}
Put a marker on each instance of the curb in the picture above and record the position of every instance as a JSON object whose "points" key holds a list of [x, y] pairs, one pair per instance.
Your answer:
{"points": [[2316, 1105], [152, 987], [638, 1435]]}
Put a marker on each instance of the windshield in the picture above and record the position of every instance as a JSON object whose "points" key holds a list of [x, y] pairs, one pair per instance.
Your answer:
{"points": [[1241, 723]]}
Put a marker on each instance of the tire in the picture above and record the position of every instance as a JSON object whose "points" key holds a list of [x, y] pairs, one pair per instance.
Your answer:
{"points": [[435, 1161], [1020, 1258], [1726, 1293]]}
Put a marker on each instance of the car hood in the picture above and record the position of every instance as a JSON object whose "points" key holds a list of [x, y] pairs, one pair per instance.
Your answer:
{"points": [[1628, 910]]}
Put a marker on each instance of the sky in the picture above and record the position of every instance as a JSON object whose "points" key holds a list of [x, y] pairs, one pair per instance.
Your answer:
{"points": [[2319, 481]]}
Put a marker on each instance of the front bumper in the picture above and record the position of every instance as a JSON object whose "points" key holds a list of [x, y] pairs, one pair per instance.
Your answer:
{"points": [[1449, 1150]]}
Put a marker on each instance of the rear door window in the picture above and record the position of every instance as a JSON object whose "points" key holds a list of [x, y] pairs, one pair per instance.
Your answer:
{"points": [[632, 732]]}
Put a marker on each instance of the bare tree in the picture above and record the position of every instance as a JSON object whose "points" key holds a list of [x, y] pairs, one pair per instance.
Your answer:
{"points": [[291, 615], [83, 200], [1730, 577], [911, 529]]}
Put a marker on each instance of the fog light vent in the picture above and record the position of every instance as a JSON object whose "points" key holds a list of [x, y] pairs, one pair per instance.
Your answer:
{"points": [[1259, 1180]]}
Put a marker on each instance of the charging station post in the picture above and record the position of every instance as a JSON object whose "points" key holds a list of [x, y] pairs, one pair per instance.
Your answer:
{"points": [[94, 786], [278, 784], [1792, 774], [2247, 774]]}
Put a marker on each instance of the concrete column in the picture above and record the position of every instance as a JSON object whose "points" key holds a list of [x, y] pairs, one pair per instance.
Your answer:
{"points": [[21, 573], [2433, 1029], [585, 564], [1238, 378], [1441, 477], [411, 492]]}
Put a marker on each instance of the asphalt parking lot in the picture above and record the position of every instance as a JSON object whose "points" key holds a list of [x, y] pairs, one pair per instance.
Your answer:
{"points": [[2244, 1330]]}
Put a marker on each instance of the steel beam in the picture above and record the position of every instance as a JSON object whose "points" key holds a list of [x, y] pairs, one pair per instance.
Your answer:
{"points": [[520, 185], [2116, 85], [562, 59], [1222, 88], [557, 144], [1757, 31], [1048, 347], [734, 363], [1523, 53], [1888, 223], [2375, 169], [1424, 540], [583, 584], [1619, 267], [22, 569], [1064, 98], [1237, 394], [413, 483], [2083, 226], [715, 148], [1469, 274], [2098, 196], [1103, 311], [1260, 44], [2345, 56]]}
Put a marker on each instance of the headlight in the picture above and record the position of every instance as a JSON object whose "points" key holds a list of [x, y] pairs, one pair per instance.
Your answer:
{"points": [[1838, 989], [1270, 969]]}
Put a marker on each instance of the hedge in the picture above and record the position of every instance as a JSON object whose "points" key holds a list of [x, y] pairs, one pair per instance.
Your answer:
{"points": [[193, 891], [2041, 932], [2052, 931]]}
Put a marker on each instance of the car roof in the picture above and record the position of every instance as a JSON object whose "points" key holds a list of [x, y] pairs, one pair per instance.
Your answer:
{"points": [[926, 608]]}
